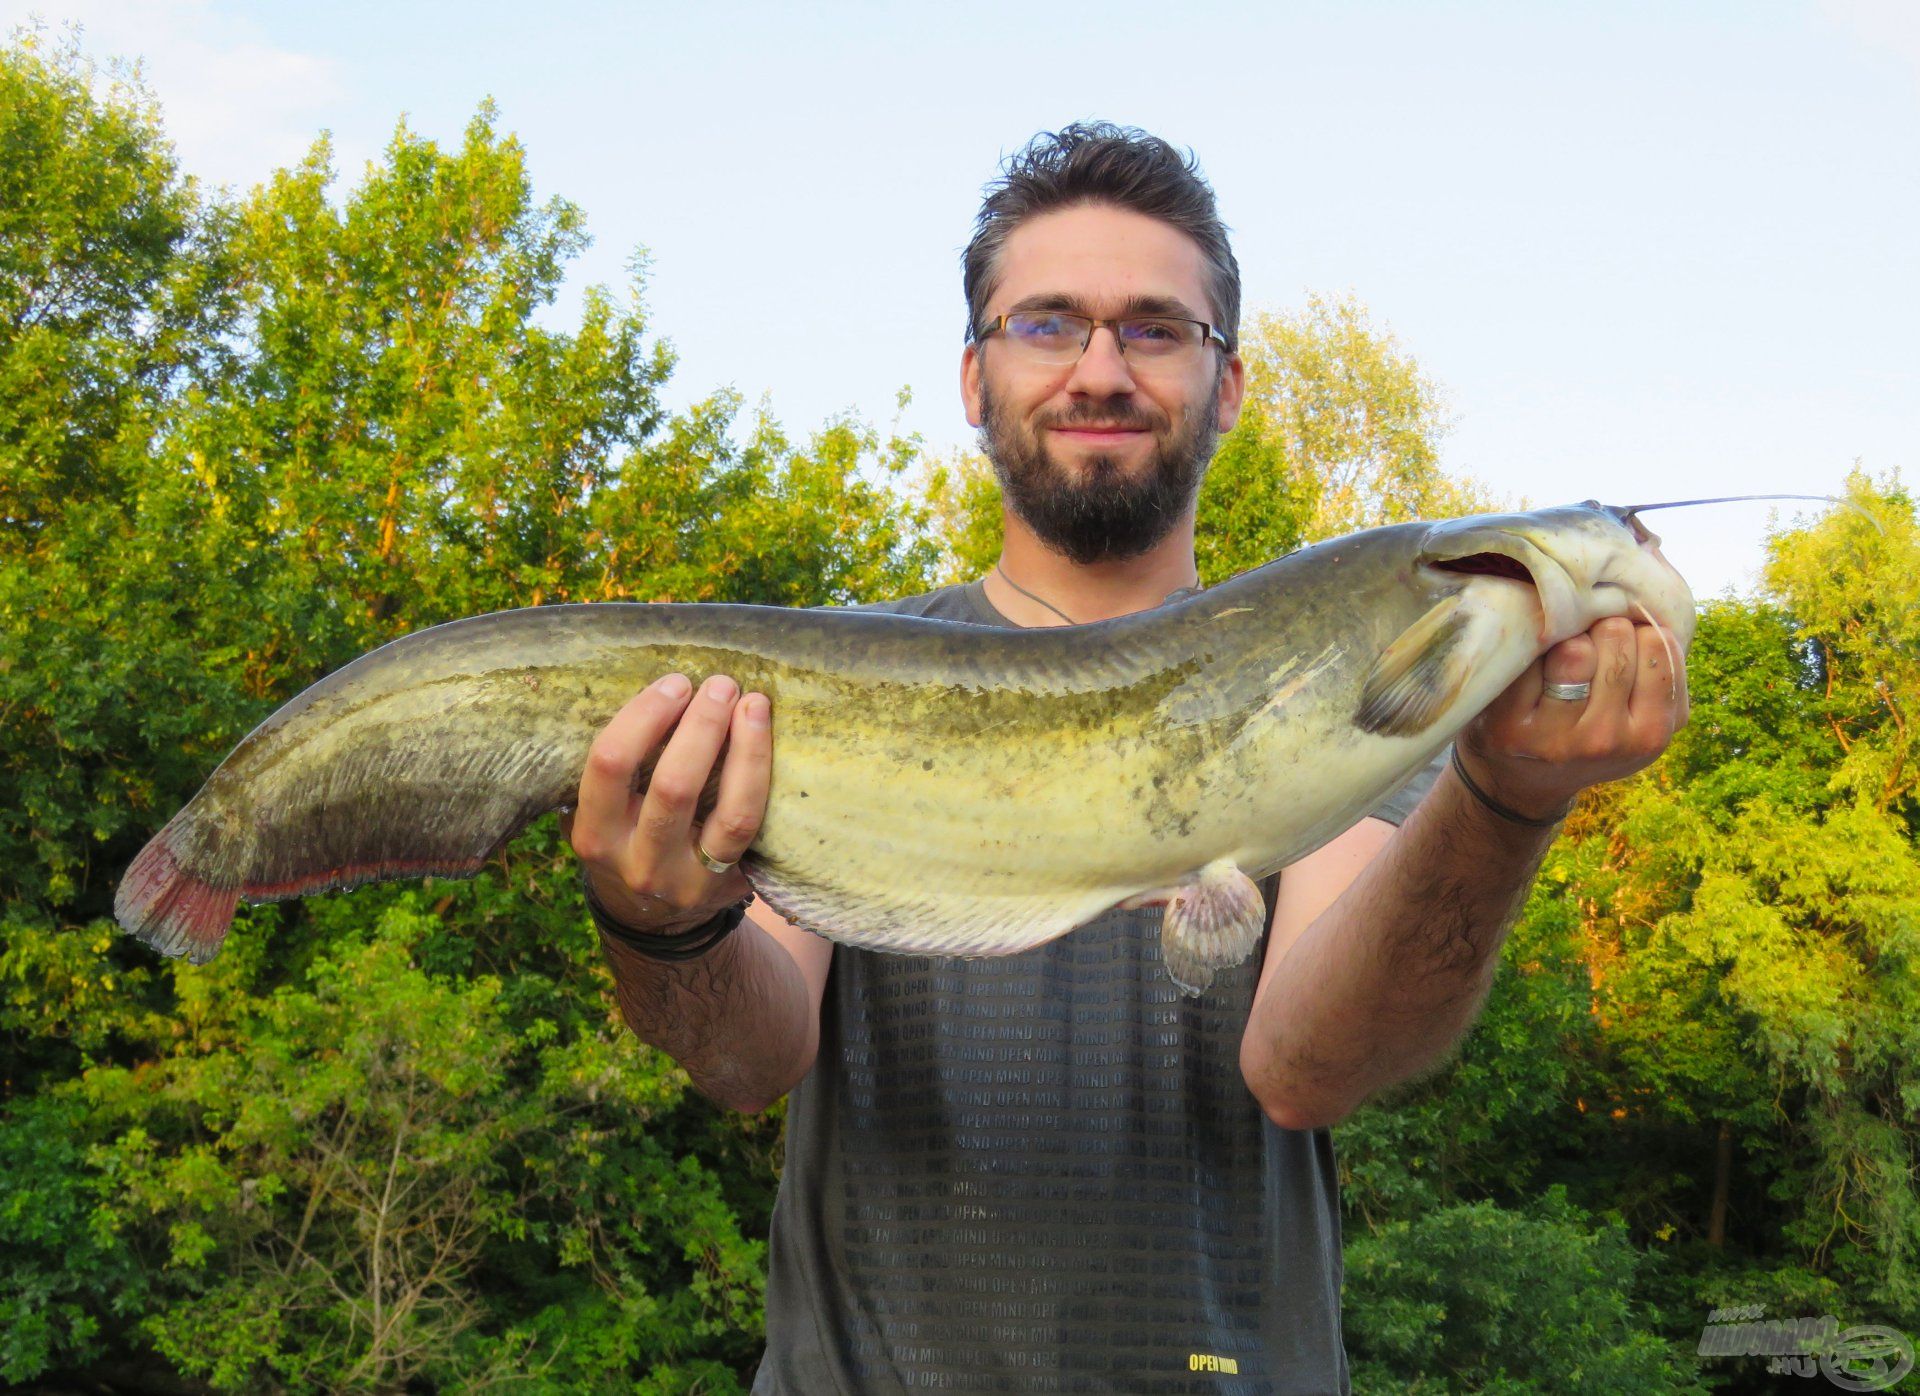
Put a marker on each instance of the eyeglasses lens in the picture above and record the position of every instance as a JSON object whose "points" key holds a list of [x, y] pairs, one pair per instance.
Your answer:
{"points": [[1056, 337]]}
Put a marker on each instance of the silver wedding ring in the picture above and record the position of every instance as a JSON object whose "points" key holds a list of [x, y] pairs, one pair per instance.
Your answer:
{"points": [[1568, 692], [711, 863]]}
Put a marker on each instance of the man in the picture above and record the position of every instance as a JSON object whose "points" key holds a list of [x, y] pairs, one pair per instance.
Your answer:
{"points": [[1049, 1172]]}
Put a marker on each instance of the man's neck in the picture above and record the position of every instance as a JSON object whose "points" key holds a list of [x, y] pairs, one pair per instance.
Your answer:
{"points": [[1034, 586]]}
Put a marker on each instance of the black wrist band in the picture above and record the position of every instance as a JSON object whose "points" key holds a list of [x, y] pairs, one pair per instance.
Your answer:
{"points": [[673, 949], [1510, 815]]}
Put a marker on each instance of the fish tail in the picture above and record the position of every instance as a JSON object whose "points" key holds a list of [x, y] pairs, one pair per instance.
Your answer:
{"points": [[169, 904]]}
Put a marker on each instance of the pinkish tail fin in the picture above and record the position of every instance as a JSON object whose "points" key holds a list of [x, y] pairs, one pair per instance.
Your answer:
{"points": [[180, 909], [168, 907]]}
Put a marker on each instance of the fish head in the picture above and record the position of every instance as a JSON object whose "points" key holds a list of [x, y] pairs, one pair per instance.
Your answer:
{"points": [[1582, 563]]}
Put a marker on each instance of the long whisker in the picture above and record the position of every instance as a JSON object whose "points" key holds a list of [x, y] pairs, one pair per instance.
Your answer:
{"points": [[1627, 511]]}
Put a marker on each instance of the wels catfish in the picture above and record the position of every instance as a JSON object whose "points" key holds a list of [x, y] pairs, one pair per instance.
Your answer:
{"points": [[938, 788]]}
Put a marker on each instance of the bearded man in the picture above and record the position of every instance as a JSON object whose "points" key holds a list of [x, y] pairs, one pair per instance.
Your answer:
{"points": [[1050, 1171]]}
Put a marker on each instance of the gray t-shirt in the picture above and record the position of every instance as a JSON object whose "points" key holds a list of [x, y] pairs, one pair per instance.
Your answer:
{"points": [[1044, 1173]]}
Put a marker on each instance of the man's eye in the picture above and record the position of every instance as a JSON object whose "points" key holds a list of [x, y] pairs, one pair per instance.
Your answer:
{"points": [[1038, 326], [1151, 331]]}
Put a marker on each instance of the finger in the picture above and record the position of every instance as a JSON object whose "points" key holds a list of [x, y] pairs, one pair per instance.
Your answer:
{"points": [[1573, 660], [745, 778], [1658, 704], [1616, 658], [603, 814], [664, 829]]}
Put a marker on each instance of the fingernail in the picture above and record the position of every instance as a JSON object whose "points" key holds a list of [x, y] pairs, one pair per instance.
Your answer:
{"points": [[674, 686], [756, 709], [721, 689]]}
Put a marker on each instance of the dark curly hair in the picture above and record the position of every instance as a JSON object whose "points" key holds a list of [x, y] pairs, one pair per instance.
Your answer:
{"points": [[1096, 162]]}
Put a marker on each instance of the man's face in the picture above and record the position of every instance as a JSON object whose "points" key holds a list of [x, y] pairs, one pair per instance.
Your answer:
{"points": [[1102, 457]]}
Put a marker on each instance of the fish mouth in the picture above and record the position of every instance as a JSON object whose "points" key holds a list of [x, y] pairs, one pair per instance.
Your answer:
{"points": [[1484, 565], [1502, 555]]}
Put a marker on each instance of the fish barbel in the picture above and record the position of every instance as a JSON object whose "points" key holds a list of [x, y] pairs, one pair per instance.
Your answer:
{"points": [[937, 787]]}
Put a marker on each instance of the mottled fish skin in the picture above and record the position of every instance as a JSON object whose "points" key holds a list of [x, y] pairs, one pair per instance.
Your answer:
{"points": [[937, 787]]}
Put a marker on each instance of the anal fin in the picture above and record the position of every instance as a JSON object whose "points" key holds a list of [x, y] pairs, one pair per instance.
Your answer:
{"points": [[1214, 920]]}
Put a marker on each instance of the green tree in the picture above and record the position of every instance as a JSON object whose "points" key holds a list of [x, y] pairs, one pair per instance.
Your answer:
{"points": [[399, 1134], [110, 284], [105, 282], [1762, 922], [1341, 430], [1473, 1298], [964, 513]]}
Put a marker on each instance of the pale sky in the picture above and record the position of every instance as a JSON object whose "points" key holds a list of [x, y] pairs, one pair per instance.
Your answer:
{"points": [[1648, 250]]}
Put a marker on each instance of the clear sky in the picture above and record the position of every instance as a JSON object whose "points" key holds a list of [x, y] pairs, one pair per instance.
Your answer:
{"points": [[1649, 250]]}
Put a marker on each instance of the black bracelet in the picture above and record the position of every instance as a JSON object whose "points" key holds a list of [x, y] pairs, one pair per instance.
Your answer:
{"points": [[673, 949], [1513, 816]]}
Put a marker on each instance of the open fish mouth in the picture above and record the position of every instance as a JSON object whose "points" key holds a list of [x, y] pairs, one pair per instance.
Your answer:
{"points": [[1491, 553], [1485, 565]]}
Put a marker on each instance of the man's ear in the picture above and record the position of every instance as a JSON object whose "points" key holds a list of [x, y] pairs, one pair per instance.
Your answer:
{"points": [[1233, 392], [970, 383]]}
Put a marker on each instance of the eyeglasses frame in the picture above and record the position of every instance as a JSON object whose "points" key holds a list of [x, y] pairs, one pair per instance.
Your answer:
{"points": [[998, 324]]}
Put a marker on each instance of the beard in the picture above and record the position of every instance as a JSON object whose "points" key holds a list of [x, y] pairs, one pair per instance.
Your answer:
{"points": [[1103, 515]]}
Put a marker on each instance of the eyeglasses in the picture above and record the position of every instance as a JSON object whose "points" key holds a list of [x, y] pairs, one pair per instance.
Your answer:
{"points": [[1055, 337]]}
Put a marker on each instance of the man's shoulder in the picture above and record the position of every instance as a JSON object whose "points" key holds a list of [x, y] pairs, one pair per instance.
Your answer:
{"points": [[962, 601]]}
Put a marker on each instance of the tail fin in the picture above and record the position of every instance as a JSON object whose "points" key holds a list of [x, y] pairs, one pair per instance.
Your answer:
{"points": [[421, 758], [167, 906]]}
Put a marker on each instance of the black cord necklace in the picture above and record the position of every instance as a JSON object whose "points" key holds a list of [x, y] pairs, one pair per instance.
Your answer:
{"points": [[1179, 593]]}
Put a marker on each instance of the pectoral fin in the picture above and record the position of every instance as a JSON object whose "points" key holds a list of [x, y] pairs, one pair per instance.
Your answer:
{"points": [[1419, 675], [1214, 920]]}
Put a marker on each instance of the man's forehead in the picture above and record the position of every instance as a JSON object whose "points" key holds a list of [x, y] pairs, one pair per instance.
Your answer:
{"points": [[1102, 260]]}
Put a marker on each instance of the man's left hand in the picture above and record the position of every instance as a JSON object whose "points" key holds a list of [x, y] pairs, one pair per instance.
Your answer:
{"points": [[1534, 753]]}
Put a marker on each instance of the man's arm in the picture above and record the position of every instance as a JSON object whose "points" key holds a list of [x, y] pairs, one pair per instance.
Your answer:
{"points": [[1384, 942], [1383, 948], [743, 1019]]}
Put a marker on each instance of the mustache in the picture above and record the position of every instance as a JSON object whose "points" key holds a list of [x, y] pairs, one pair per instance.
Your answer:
{"points": [[1112, 416]]}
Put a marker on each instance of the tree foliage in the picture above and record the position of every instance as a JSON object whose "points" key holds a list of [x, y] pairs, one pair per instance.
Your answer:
{"points": [[1472, 1297], [1340, 431], [399, 1136]]}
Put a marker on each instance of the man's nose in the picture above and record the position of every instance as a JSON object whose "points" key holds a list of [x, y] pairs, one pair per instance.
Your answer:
{"points": [[1101, 370]]}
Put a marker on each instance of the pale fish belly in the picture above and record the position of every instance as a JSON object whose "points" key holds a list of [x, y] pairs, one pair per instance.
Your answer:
{"points": [[951, 830]]}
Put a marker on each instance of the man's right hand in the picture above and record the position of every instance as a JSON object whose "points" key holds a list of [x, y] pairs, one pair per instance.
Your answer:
{"points": [[639, 849]]}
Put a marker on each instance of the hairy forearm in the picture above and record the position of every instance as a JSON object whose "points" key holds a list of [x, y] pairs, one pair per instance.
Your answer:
{"points": [[738, 1019], [1384, 982]]}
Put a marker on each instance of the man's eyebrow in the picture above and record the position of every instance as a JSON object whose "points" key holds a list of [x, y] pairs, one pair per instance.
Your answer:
{"points": [[1132, 305]]}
